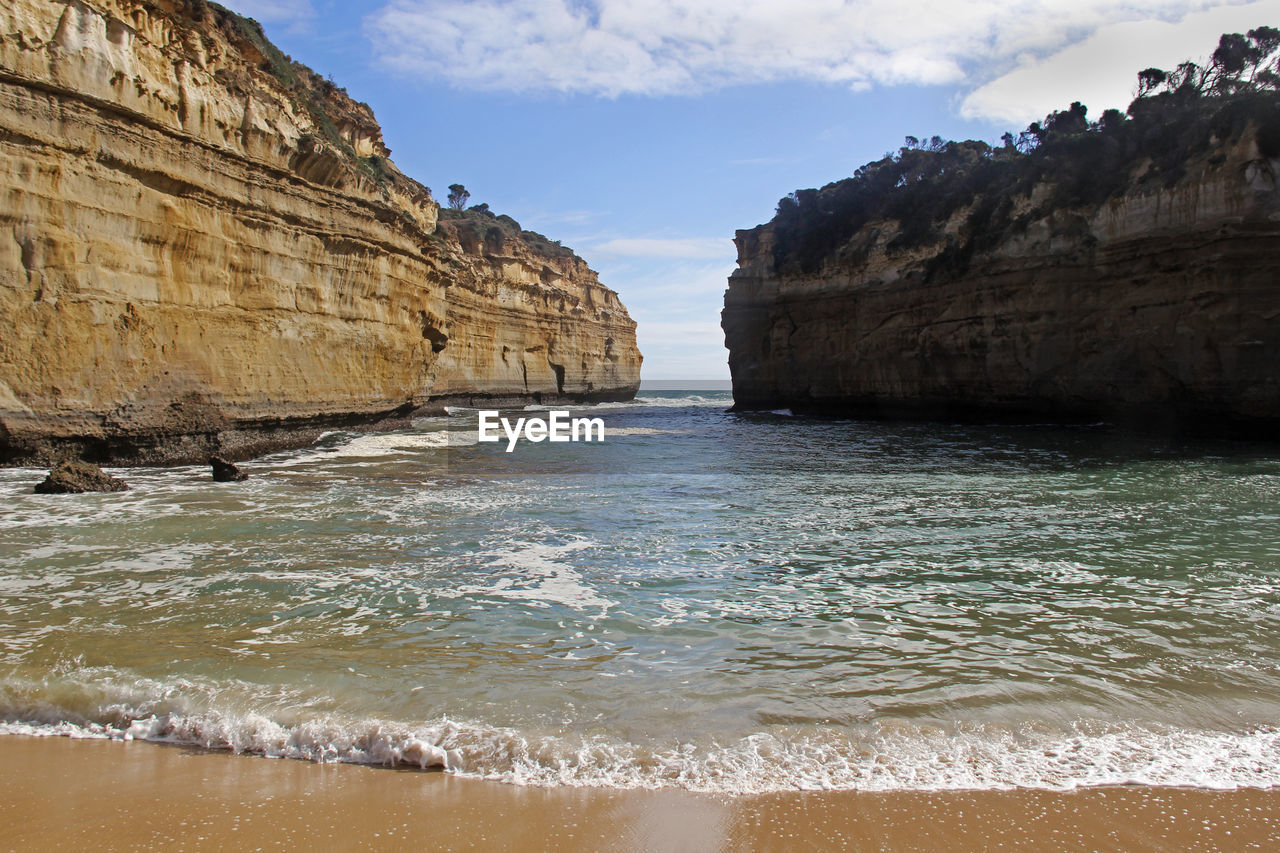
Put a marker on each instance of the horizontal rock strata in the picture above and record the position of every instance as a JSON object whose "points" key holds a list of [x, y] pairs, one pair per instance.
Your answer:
{"points": [[204, 248], [1159, 307]]}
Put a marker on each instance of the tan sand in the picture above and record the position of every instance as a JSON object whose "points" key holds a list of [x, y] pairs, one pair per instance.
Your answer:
{"points": [[58, 794]]}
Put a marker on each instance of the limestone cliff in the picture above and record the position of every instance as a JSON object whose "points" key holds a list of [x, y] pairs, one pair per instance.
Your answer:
{"points": [[205, 248], [1153, 299]]}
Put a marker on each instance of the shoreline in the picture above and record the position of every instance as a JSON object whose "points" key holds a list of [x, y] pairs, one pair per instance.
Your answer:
{"points": [[58, 793], [25, 443]]}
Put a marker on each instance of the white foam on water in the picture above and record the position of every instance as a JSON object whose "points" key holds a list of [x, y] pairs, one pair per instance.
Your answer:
{"points": [[255, 734], [154, 492], [711, 400], [469, 501], [898, 758], [463, 437], [373, 446], [538, 572], [103, 702], [61, 549], [173, 557]]}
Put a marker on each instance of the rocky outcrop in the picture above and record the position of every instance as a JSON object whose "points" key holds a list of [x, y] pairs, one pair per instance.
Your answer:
{"points": [[76, 477], [226, 472], [528, 321], [204, 248], [1158, 306]]}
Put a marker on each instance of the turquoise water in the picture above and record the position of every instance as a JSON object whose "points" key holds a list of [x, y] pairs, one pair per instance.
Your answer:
{"points": [[715, 601]]}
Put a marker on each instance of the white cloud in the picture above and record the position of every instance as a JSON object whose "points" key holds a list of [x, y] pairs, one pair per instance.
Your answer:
{"points": [[664, 334], [685, 247], [676, 303], [1101, 71], [567, 217], [683, 350], [669, 288], [614, 47]]}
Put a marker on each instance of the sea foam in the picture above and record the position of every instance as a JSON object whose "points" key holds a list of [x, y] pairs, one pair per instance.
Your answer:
{"points": [[901, 757]]}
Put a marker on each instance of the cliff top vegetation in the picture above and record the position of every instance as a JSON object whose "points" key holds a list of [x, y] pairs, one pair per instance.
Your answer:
{"points": [[321, 98], [1177, 115], [493, 229]]}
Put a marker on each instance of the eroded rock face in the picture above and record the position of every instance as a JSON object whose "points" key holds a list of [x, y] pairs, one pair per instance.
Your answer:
{"points": [[72, 478], [1158, 308], [204, 249]]}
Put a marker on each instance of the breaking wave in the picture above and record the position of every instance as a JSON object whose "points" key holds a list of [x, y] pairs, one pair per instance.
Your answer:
{"points": [[882, 757]]}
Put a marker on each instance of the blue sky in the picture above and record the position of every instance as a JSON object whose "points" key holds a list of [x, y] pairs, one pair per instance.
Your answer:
{"points": [[642, 133]]}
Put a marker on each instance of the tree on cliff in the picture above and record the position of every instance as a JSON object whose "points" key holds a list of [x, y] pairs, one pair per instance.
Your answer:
{"points": [[1241, 63], [458, 196], [968, 196]]}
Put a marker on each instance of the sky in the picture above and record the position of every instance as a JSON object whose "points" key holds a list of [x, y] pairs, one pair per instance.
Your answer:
{"points": [[643, 133]]}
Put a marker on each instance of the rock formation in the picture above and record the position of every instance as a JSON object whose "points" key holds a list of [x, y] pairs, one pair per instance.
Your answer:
{"points": [[204, 248], [76, 477], [226, 472], [1151, 301]]}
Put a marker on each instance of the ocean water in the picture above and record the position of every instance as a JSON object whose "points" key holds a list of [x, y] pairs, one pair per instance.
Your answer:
{"points": [[734, 603]]}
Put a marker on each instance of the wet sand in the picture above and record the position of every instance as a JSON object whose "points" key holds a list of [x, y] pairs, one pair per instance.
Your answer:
{"points": [[59, 794]]}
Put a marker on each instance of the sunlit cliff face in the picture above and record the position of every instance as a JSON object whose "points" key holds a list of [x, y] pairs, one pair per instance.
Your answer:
{"points": [[207, 240]]}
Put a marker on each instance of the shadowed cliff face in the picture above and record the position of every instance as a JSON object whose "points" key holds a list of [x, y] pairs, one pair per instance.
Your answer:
{"points": [[204, 248], [1159, 306]]}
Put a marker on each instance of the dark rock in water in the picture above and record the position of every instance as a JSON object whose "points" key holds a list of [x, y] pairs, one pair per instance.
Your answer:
{"points": [[75, 477], [226, 472]]}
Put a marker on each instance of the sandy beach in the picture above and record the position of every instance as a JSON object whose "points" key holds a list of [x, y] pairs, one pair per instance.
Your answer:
{"points": [[335, 514], [59, 794]]}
